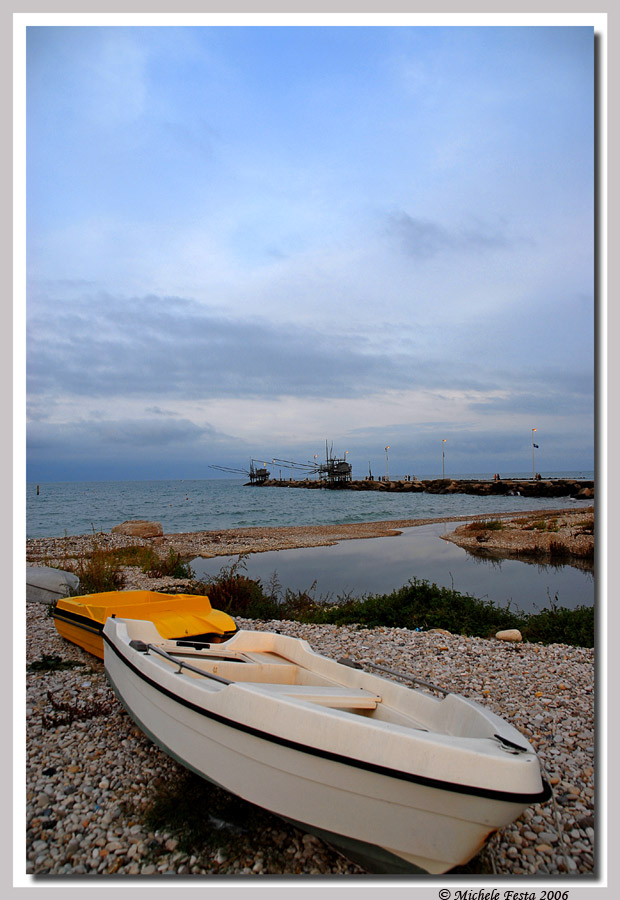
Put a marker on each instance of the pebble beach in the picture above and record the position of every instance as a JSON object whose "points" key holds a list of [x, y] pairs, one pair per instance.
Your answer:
{"points": [[92, 776]]}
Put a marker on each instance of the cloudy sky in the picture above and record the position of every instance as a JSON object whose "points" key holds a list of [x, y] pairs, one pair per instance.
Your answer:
{"points": [[245, 241]]}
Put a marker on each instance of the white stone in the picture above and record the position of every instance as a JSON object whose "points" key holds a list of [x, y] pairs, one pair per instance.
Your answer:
{"points": [[511, 634]]}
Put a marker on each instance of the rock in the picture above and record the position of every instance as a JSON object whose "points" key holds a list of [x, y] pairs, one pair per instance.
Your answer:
{"points": [[586, 493], [511, 634], [547, 837], [139, 528], [544, 848]]}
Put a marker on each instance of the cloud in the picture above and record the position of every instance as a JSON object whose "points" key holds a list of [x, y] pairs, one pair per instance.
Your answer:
{"points": [[557, 397], [424, 239], [165, 361], [174, 347], [399, 238], [113, 438], [125, 447]]}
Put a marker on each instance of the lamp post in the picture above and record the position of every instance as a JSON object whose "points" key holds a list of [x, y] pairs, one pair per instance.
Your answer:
{"points": [[533, 459], [387, 464], [443, 458]]}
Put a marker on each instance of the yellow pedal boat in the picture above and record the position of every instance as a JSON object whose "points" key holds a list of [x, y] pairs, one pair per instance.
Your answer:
{"points": [[181, 617]]}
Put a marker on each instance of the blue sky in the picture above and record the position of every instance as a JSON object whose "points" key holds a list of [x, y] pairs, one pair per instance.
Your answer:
{"points": [[243, 241]]}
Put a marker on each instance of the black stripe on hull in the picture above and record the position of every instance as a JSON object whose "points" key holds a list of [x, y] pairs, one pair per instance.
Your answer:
{"points": [[84, 622], [435, 783], [94, 627]]}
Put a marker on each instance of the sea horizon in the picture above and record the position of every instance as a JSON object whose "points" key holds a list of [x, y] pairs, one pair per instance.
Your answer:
{"points": [[585, 474], [54, 509]]}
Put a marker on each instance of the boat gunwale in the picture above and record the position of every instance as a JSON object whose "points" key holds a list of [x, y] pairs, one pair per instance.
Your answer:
{"points": [[385, 771], [88, 623]]}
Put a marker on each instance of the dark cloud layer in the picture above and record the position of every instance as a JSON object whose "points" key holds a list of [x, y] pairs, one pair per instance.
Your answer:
{"points": [[139, 448], [173, 347]]}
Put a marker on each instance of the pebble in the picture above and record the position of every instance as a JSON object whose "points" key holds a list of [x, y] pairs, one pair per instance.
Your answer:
{"points": [[89, 782]]}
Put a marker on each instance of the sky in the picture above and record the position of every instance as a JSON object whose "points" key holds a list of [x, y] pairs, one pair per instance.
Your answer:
{"points": [[243, 242]]}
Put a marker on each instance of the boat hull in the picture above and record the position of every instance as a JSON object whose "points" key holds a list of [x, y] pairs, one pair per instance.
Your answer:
{"points": [[393, 820], [81, 619], [48, 585]]}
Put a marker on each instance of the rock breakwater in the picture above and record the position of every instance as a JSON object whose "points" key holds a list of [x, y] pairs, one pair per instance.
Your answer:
{"points": [[557, 487]]}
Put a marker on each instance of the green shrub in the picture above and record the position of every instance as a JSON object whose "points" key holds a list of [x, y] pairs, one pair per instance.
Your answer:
{"points": [[420, 604], [560, 625]]}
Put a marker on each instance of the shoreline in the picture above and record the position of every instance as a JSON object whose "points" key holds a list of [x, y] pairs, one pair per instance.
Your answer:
{"points": [[66, 552], [257, 538]]}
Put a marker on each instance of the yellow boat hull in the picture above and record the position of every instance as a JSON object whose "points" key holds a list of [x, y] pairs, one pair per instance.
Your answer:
{"points": [[182, 617]]}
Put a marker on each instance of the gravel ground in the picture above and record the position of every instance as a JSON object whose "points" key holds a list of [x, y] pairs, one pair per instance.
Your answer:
{"points": [[91, 774]]}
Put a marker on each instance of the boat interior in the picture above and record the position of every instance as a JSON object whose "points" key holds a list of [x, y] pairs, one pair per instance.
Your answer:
{"points": [[271, 673], [270, 664]]}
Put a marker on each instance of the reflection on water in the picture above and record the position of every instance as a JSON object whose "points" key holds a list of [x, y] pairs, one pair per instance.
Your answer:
{"points": [[380, 565], [489, 557]]}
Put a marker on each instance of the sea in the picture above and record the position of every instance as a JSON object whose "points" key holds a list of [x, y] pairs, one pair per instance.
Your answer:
{"points": [[83, 507], [355, 567]]}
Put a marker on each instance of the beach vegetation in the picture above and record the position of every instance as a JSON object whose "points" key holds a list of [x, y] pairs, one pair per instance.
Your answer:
{"points": [[484, 525], [585, 526], [233, 592], [98, 571], [559, 625], [170, 566], [543, 524], [65, 712], [101, 568]]}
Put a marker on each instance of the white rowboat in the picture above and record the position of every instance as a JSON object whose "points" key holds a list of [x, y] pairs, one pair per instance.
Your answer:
{"points": [[396, 778]]}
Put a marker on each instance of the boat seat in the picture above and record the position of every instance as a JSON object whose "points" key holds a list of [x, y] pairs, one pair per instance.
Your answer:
{"points": [[335, 697], [268, 657]]}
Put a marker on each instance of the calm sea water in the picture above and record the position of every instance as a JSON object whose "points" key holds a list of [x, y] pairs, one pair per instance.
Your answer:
{"points": [[212, 504]]}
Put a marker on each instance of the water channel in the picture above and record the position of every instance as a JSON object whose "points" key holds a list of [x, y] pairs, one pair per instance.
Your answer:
{"points": [[380, 565]]}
